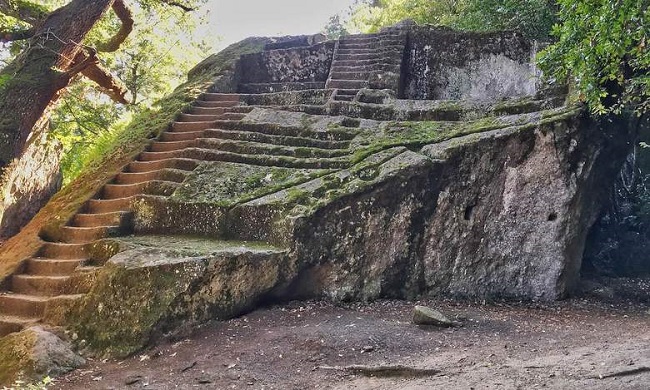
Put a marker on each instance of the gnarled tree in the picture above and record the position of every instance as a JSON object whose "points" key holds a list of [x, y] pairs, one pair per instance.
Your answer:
{"points": [[54, 55]]}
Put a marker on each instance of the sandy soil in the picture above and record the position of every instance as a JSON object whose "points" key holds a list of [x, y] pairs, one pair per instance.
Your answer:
{"points": [[598, 341]]}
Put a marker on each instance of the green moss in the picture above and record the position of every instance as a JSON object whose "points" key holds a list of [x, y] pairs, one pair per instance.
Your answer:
{"points": [[15, 356]]}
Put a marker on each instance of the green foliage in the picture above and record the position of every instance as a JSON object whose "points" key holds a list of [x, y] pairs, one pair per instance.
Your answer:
{"points": [[603, 46], [152, 61], [533, 18]]}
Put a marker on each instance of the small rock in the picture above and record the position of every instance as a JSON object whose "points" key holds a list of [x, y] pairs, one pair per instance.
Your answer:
{"points": [[368, 348], [203, 380], [132, 380], [423, 315]]}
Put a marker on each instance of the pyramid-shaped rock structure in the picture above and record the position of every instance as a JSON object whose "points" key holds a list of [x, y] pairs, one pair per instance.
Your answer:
{"points": [[414, 161]]}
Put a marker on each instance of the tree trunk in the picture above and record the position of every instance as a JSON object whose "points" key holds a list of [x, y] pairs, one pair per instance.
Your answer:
{"points": [[28, 88]]}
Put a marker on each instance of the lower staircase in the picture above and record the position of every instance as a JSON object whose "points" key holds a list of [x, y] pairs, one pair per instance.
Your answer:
{"points": [[212, 130], [63, 270]]}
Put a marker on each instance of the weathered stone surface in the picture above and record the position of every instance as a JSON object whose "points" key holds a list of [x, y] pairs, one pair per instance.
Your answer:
{"points": [[165, 284], [447, 64], [302, 64], [423, 315], [34, 354], [502, 213]]}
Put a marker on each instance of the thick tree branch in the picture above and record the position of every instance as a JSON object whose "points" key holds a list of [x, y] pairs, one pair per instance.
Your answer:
{"points": [[24, 10], [89, 66], [126, 17], [17, 35], [178, 4]]}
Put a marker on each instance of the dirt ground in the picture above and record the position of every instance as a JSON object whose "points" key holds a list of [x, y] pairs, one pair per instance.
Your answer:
{"points": [[600, 340]]}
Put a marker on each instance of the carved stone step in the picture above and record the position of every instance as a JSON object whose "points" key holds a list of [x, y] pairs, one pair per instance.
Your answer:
{"points": [[184, 164], [344, 98], [11, 324], [220, 97], [191, 126], [364, 66], [271, 161], [40, 285], [356, 57], [102, 206], [170, 136], [52, 267], [347, 84], [153, 187], [166, 174], [76, 234], [21, 305], [247, 147], [292, 131], [275, 139], [198, 117], [166, 146], [207, 110], [349, 75], [64, 251]]}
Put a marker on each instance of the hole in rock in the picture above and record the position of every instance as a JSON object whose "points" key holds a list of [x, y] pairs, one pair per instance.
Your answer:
{"points": [[468, 212], [552, 217]]}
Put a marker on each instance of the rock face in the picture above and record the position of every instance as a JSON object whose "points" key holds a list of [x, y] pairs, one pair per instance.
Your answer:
{"points": [[347, 192], [447, 64]]}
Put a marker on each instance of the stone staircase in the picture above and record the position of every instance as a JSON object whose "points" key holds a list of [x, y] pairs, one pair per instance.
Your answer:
{"points": [[62, 270], [360, 60]]}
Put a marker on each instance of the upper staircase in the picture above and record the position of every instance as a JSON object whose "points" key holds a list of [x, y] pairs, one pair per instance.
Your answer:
{"points": [[360, 60]]}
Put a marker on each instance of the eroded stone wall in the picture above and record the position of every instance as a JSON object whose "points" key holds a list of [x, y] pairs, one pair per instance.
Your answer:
{"points": [[293, 65], [450, 65]]}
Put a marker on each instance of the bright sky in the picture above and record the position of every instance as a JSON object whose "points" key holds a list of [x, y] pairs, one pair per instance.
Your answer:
{"points": [[235, 20]]}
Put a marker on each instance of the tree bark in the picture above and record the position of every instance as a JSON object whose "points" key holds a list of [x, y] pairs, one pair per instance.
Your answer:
{"points": [[31, 83], [29, 162]]}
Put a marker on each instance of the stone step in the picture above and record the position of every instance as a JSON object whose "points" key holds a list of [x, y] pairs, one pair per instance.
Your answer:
{"points": [[259, 88], [63, 251], [169, 136], [347, 84], [22, 305], [166, 146], [358, 44], [378, 50], [371, 63], [357, 57], [233, 116], [347, 92], [117, 218], [220, 97], [378, 67], [11, 324], [103, 206], [183, 164], [166, 174], [40, 285], [275, 139], [52, 267], [153, 187], [292, 131], [191, 126], [197, 110], [198, 117], [260, 159], [247, 147], [338, 75], [78, 234], [344, 98]]}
